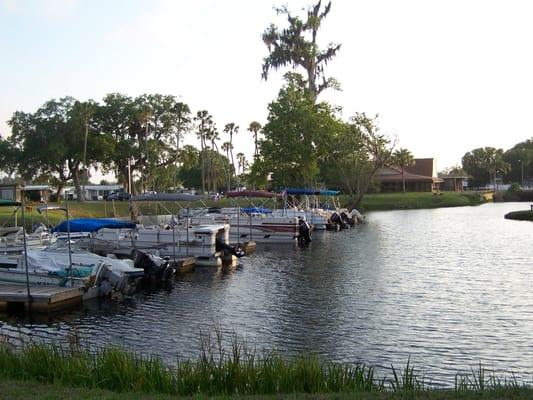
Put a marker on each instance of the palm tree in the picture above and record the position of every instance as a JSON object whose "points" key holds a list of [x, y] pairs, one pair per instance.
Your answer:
{"points": [[243, 163], [204, 121], [403, 158], [183, 120], [255, 127], [227, 146], [231, 129], [495, 163]]}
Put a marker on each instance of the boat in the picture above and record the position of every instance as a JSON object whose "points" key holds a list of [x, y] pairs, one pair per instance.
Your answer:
{"points": [[95, 275], [162, 235], [322, 215], [253, 223], [12, 239]]}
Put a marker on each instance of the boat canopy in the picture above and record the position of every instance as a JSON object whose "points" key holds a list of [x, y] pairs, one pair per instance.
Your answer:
{"points": [[9, 203], [310, 192], [167, 197], [256, 210], [92, 224], [251, 193], [46, 208]]}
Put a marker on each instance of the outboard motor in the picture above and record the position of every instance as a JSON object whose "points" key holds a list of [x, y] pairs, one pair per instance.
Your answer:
{"points": [[154, 266], [304, 230], [347, 221], [339, 222], [220, 245]]}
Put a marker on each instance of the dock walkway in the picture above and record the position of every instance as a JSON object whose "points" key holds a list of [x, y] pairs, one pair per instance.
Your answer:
{"points": [[43, 298]]}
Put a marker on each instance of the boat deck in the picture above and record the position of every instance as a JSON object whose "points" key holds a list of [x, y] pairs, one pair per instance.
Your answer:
{"points": [[14, 297]]}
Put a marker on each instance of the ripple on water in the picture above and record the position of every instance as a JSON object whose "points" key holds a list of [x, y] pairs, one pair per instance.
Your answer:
{"points": [[446, 289]]}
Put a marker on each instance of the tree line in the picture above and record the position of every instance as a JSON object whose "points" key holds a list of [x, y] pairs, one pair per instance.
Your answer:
{"points": [[139, 139], [304, 142], [484, 164]]}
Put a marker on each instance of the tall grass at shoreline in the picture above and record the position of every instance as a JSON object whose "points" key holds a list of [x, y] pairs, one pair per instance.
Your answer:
{"points": [[217, 371]]}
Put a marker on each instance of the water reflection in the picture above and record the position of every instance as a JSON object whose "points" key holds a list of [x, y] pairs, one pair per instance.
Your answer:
{"points": [[448, 288]]}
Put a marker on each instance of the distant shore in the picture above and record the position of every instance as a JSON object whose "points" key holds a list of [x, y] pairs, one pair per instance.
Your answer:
{"points": [[418, 200]]}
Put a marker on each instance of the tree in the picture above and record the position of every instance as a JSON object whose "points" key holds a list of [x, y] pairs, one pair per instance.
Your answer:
{"points": [[190, 172], [227, 147], [52, 141], [295, 135], [204, 124], [243, 163], [520, 159], [403, 158], [115, 120], [231, 129], [297, 45], [255, 127], [356, 151]]}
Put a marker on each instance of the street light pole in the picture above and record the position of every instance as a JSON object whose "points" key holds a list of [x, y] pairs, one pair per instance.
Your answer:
{"points": [[522, 162]]}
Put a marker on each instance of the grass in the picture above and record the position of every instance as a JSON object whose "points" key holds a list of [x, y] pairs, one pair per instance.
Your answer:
{"points": [[416, 200], [236, 371]]}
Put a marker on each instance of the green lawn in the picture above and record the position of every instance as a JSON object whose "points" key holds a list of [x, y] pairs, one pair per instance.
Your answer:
{"points": [[404, 201]]}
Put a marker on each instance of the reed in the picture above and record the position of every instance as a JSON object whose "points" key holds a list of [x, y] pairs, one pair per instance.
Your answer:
{"points": [[218, 371]]}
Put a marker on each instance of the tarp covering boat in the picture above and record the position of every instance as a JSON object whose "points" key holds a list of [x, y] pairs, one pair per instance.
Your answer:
{"points": [[251, 193], [311, 192], [167, 197], [92, 225]]}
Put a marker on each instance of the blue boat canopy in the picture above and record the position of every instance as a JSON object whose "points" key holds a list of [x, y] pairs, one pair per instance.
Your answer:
{"points": [[92, 224], [311, 192], [256, 210]]}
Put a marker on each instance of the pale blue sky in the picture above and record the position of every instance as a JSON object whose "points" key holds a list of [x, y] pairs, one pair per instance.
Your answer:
{"points": [[445, 76]]}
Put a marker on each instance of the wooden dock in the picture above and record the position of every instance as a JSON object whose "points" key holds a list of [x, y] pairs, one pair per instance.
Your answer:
{"points": [[14, 297], [184, 264], [249, 247]]}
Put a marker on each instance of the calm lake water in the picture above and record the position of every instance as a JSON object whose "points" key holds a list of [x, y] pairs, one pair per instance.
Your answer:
{"points": [[447, 288]]}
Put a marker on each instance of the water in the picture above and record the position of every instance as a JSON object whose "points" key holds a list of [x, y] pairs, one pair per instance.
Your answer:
{"points": [[446, 288]]}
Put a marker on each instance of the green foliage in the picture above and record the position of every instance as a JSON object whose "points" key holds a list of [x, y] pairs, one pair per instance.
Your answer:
{"points": [[402, 158], [190, 172], [51, 141], [514, 187], [520, 159], [353, 155], [239, 371], [295, 134]]}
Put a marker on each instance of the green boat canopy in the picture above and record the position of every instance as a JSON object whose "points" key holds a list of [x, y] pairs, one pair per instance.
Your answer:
{"points": [[9, 203]]}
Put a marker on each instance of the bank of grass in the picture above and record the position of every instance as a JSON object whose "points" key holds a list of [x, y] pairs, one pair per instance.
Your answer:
{"points": [[236, 371], [416, 200]]}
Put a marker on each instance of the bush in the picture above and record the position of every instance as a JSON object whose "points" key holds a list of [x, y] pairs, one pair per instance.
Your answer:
{"points": [[515, 187]]}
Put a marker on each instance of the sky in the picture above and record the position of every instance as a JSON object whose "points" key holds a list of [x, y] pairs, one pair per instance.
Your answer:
{"points": [[445, 76]]}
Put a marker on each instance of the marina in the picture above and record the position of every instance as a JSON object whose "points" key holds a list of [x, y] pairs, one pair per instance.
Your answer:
{"points": [[364, 294]]}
